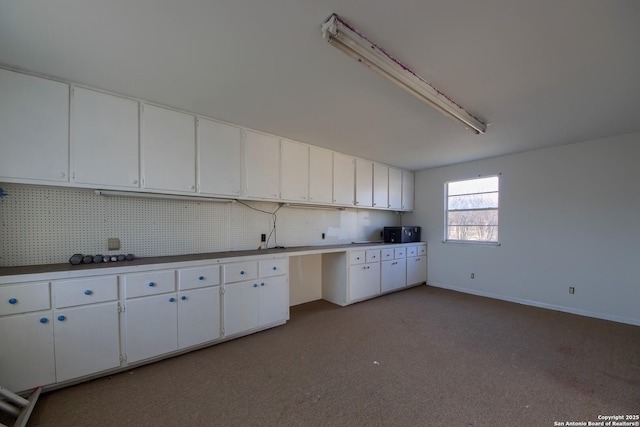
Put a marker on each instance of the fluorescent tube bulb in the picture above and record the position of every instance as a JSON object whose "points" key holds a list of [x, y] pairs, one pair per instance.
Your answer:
{"points": [[344, 37]]}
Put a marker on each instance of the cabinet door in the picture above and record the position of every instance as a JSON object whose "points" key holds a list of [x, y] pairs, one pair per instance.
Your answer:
{"points": [[380, 186], [27, 358], [87, 340], [168, 149], [364, 183], [294, 171], [394, 275], [34, 128], [219, 169], [151, 326], [416, 270], [241, 307], [364, 281], [274, 300], [320, 175], [104, 142], [343, 179], [262, 166], [395, 188], [407, 190], [198, 316]]}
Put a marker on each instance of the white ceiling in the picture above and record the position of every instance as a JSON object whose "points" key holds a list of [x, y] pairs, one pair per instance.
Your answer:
{"points": [[541, 72]]}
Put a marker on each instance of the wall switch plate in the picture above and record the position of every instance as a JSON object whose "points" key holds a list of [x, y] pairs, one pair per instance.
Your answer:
{"points": [[263, 237], [572, 290], [113, 243]]}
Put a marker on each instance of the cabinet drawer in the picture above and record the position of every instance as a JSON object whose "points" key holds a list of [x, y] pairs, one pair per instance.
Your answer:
{"points": [[412, 251], [151, 283], [68, 293], [357, 257], [387, 254], [422, 250], [400, 253], [236, 272], [372, 255], [198, 277], [273, 267], [23, 298]]}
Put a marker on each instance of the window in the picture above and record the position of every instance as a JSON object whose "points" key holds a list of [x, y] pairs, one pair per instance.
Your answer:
{"points": [[471, 211]]}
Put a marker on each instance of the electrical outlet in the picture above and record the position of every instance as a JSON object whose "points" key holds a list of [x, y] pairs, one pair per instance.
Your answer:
{"points": [[572, 290], [113, 244], [473, 275], [322, 236], [263, 237]]}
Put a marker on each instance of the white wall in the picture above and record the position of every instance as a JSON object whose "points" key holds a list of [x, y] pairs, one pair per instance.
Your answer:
{"points": [[569, 216], [45, 225]]}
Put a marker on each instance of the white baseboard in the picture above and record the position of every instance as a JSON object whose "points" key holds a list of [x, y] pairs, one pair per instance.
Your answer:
{"points": [[604, 316]]}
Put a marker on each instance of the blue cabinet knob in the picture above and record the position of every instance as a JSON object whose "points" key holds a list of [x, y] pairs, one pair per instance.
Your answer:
{"points": [[255, 285], [172, 299], [12, 300], [201, 278], [152, 284], [62, 318], [274, 268], [242, 272], [44, 320], [183, 298], [88, 292], [262, 284]]}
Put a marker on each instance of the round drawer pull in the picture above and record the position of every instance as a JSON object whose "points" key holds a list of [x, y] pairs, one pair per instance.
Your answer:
{"points": [[201, 278], [88, 292], [255, 285], [152, 284], [172, 299], [262, 284], [44, 320], [62, 318], [183, 298], [274, 268], [242, 272], [12, 301]]}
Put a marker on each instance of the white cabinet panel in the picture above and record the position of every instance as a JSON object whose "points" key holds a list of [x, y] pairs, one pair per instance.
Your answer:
{"points": [[149, 283], [320, 175], [364, 281], [219, 158], [34, 128], [416, 270], [87, 340], [273, 267], [343, 179], [151, 326], [364, 183], [380, 186], [246, 270], [294, 171], [24, 297], [407, 190], [274, 300], [88, 290], [198, 277], [241, 307], [395, 188], [262, 166], [394, 275], [104, 142], [27, 355], [168, 150], [198, 316]]}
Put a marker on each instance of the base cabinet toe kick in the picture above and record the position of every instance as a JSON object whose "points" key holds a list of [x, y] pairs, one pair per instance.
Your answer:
{"points": [[62, 328]]}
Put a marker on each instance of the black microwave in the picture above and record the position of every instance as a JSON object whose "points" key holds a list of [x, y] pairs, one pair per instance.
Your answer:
{"points": [[403, 234]]}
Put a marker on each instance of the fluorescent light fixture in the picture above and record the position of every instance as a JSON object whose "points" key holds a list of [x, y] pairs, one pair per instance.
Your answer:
{"points": [[305, 206], [161, 196], [344, 37]]}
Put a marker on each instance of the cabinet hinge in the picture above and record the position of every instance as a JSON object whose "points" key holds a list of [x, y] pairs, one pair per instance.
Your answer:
{"points": [[123, 358], [120, 308], [221, 290]]}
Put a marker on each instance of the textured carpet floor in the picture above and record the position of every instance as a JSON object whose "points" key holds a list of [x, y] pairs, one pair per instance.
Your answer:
{"points": [[421, 357]]}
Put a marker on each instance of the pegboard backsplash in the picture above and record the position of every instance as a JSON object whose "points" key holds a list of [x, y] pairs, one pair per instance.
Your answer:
{"points": [[46, 225]]}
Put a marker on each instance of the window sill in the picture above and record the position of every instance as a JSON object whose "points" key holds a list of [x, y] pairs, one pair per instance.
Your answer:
{"points": [[472, 243]]}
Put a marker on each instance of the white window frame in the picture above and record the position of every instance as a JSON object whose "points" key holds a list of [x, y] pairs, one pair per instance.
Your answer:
{"points": [[446, 239]]}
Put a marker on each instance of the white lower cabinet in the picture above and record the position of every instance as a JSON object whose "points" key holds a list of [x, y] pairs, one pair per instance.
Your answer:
{"points": [[87, 340], [364, 281], [27, 357], [416, 270], [241, 307], [151, 326], [274, 300], [198, 316], [393, 275]]}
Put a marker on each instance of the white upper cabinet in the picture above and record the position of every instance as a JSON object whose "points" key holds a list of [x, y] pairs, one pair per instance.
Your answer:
{"points": [[343, 179], [395, 189], [34, 128], [294, 171], [262, 166], [104, 139], [380, 186], [219, 158], [364, 183], [168, 150], [320, 175], [407, 190]]}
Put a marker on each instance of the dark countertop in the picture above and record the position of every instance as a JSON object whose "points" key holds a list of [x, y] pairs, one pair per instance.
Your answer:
{"points": [[65, 267]]}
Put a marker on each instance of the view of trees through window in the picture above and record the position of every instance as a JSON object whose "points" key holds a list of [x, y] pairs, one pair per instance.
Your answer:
{"points": [[472, 210]]}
